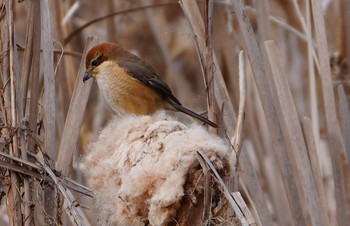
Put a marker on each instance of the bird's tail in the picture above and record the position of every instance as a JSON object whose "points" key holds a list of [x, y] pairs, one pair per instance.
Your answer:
{"points": [[192, 114]]}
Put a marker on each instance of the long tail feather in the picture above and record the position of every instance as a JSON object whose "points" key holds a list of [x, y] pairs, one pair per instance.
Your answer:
{"points": [[192, 114]]}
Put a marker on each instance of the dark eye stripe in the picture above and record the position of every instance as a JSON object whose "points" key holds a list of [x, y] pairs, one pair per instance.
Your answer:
{"points": [[97, 61]]}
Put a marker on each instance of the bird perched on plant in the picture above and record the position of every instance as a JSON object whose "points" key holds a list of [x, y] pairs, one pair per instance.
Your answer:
{"points": [[129, 84]]}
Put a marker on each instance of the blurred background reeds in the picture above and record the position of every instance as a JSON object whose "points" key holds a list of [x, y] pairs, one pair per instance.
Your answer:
{"points": [[293, 164]]}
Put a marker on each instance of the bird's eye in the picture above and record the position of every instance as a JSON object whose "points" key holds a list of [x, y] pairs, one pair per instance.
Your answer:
{"points": [[94, 63]]}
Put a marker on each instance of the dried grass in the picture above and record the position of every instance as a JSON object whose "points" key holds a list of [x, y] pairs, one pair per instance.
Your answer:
{"points": [[293, 138]]}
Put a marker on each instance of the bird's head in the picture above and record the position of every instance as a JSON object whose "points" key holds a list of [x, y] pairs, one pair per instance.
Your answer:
{"points": [[99, 54]]}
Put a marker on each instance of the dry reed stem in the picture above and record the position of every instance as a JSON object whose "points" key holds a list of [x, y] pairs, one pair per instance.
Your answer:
{"points": [[258, 172], [263, 33], [76, 215], [335, 140], [33, 170], [35, 73], [75, 115], [312, 77], [227, 46], [63, 68], [204, 50], [213, 108], [244, 208], [293, 134], [207, 190], [344, 110], [266, 98], [66, 81], [315, 164], [49, 95], [284, 25], [26, 65], [239, 131], [305, 30], [19, 160], [14, 209], [33, 81], [263, 21], [18, 169], [281, 23], [346, 20], [196, 24], [47, 70], [246, 168], [70, 12], [203, 159]]}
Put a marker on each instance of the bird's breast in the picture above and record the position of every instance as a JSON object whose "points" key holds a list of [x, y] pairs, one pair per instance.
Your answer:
{"points": [[126, 94]]}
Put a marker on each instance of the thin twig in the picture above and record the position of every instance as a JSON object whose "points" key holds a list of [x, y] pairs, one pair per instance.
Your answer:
{"points": [[78, 30]]}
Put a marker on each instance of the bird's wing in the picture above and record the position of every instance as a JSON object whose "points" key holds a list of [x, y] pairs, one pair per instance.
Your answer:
{"points": [[144, 72]]}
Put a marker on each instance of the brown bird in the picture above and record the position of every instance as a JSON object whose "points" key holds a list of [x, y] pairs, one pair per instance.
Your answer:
{"points": [[129, 84]]}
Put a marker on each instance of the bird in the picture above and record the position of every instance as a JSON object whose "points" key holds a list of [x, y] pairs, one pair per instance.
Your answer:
{"points": [[129, 84]]}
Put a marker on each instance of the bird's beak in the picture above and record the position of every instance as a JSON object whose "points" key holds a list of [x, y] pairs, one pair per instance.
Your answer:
{"points": [[87, 76]]}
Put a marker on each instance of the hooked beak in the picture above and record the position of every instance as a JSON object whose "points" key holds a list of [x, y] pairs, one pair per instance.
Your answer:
{"points": [[87, 76]]}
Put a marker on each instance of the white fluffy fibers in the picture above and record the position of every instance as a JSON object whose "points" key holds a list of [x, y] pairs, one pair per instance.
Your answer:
{"points": [[142, 168]]}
